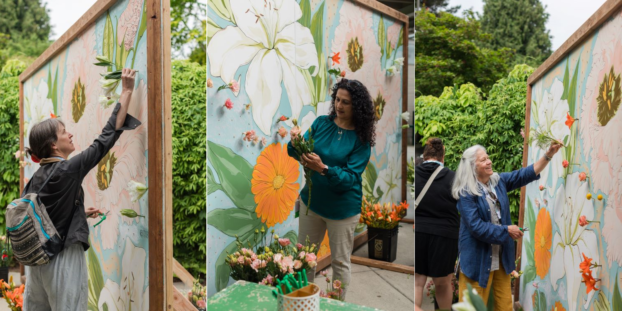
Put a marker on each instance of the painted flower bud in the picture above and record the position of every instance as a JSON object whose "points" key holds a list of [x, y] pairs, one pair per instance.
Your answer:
{"points": [[130, 213]]}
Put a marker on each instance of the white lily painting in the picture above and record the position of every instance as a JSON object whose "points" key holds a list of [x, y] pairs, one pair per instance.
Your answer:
{"points": [[277, 49]]}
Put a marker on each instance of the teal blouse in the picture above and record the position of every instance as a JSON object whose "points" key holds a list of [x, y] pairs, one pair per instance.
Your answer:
{"points": [[338, 194]]}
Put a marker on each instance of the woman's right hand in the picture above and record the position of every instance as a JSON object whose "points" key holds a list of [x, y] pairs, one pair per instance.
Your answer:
{"points": [[515, 232], [127, 79]]}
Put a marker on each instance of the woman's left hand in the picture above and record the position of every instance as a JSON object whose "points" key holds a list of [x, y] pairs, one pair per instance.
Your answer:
{"points": [[93, 212], [312, 161]]}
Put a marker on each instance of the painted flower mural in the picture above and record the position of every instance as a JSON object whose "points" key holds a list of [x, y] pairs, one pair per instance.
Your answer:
{"points": [[274, 184], [571, 240], [388, 182], [268, 36], [543, 239], [38, 107]]}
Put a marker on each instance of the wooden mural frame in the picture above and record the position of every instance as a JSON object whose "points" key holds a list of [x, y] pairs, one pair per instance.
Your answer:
{"points": [[398, 16], [576, 39], [159, 138]]}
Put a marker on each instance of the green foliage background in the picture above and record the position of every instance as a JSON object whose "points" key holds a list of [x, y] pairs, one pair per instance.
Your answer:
{"points": [[462, 118], [189, 165]]}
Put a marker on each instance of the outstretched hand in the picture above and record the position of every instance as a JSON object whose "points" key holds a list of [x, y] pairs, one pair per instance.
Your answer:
{"points": [[93, 212], [127, 79]]}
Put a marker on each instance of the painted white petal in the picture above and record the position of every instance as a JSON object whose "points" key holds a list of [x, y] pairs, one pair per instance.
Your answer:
{"points": [[289, 12], [307, 121], [245, 17], [263, 86], [557, 271], [323, 108], [289, 123], [110, 297], [295, 43], [573, 276], [228, 50], [559, 208], [296, 86]]}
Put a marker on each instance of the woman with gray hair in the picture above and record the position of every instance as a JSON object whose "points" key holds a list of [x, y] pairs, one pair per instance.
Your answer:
{"points": [[487, 235]]}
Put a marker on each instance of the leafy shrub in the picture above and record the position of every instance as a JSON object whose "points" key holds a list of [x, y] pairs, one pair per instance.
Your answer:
{"points": [[462, 119], [189, 163]]}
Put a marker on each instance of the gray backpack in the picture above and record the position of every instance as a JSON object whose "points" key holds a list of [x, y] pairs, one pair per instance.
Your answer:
{"points": [[32, 234]]}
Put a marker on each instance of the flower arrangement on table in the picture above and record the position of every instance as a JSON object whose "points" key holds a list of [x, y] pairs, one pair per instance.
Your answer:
{"points": [[14, 296], [382, 216], [198, 296], [266, 264]]}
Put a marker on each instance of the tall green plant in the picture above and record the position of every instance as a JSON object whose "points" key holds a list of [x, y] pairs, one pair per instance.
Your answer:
{"points": [[462, 119], [189, 179], [9, 134]]}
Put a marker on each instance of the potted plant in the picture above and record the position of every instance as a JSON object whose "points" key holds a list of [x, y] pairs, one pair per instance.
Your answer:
{"points": [[271, 261], [14, 296], [382, 222]]}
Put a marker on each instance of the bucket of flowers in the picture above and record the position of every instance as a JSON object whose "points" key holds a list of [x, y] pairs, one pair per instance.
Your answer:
{"points": [[197, 296], [382, 222], [14, 296], [268, 262]]}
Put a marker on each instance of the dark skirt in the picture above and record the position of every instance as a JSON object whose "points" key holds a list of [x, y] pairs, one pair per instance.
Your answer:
{"points": [[435, 256]]}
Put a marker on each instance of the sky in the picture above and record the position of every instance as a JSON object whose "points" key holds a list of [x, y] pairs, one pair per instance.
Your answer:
{"points": [[64, 13], [565, 16]]}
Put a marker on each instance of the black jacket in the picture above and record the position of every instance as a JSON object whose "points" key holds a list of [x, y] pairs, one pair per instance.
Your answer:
{"points": [[437, 213], [63, 194]]}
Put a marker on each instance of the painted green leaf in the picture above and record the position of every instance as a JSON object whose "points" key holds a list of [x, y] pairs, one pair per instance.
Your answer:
{"points": [[233, 221], [541, 302], [108, 44], [309, 80], [212, 185], [96, 280], [317, 29], [50, 83], [566, 140], [400, 38], [319, 81], [212, 29], [616, 301], [305, 7], [54, 92], [143, 23], [602, 303], [389, 49], [566, 82], [119, 59], [529, 274], [221, 8], [369, 179], [572, 90], [531, 224], [382, 37], [234, 173], [379, 192]]}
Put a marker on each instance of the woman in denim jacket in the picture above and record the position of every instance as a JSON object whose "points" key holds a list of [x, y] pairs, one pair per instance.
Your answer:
{"points": [[486, 239]]}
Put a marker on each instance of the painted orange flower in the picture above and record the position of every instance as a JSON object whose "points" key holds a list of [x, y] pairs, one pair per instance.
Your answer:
{"points": [[589, 281], [274, 184], [335, 58], [586, 264], [543, 240], [569, 120], [558, 307]]}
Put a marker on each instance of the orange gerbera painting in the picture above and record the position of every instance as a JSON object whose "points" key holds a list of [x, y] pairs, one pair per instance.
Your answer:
{"points": [[543, 240], [274, 184], [558, 307]]}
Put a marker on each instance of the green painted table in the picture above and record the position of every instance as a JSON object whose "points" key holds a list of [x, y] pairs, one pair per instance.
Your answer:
{"points": [[243, 296]]}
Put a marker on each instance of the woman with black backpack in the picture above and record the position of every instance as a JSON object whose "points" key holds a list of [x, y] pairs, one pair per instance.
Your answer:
{"points": [[61, 283]]}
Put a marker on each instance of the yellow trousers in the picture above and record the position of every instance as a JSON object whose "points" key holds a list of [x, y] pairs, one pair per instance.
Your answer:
{"points": [[498, 281]]}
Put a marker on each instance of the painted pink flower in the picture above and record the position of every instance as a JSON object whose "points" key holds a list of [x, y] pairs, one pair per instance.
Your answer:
{"points": [[565, 163], [234, 86], [249, 135], [582, 176], [297, 264], [264, 141], [541, 187], [537, 203], [282, 132], [210, 83], [228, 104], [128, 23], [583, 221], [284, 242]]}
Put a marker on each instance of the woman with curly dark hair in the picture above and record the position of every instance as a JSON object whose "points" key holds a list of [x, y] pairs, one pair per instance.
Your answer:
{"points": [[343, 142]]}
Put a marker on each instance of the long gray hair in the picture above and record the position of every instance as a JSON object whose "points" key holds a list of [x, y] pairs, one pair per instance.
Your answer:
{"points": [[465, 182]]}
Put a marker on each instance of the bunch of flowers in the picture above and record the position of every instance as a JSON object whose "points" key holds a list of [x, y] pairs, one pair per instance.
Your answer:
{"points": [[110, 81], [543, 138], [334, 289], [586, 272], [14, 296], [382, 216], [303, 146], [266, 263], [198, 296]]}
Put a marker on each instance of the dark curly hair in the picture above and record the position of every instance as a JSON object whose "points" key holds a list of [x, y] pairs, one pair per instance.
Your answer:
{"points": [[363, 115]]}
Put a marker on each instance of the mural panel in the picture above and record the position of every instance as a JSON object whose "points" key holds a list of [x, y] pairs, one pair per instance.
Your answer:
{"points": [[572, 255], [273, 61], [71, 87]]}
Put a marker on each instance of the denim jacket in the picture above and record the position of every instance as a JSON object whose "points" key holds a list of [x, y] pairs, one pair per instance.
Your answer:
{"points": [[478, 234]]}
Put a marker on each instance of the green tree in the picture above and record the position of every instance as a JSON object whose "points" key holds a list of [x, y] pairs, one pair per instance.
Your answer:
{"points": [[24, 29], [518, 25], [188, 28], [462, 118], [448, 52], [436, 6]]}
